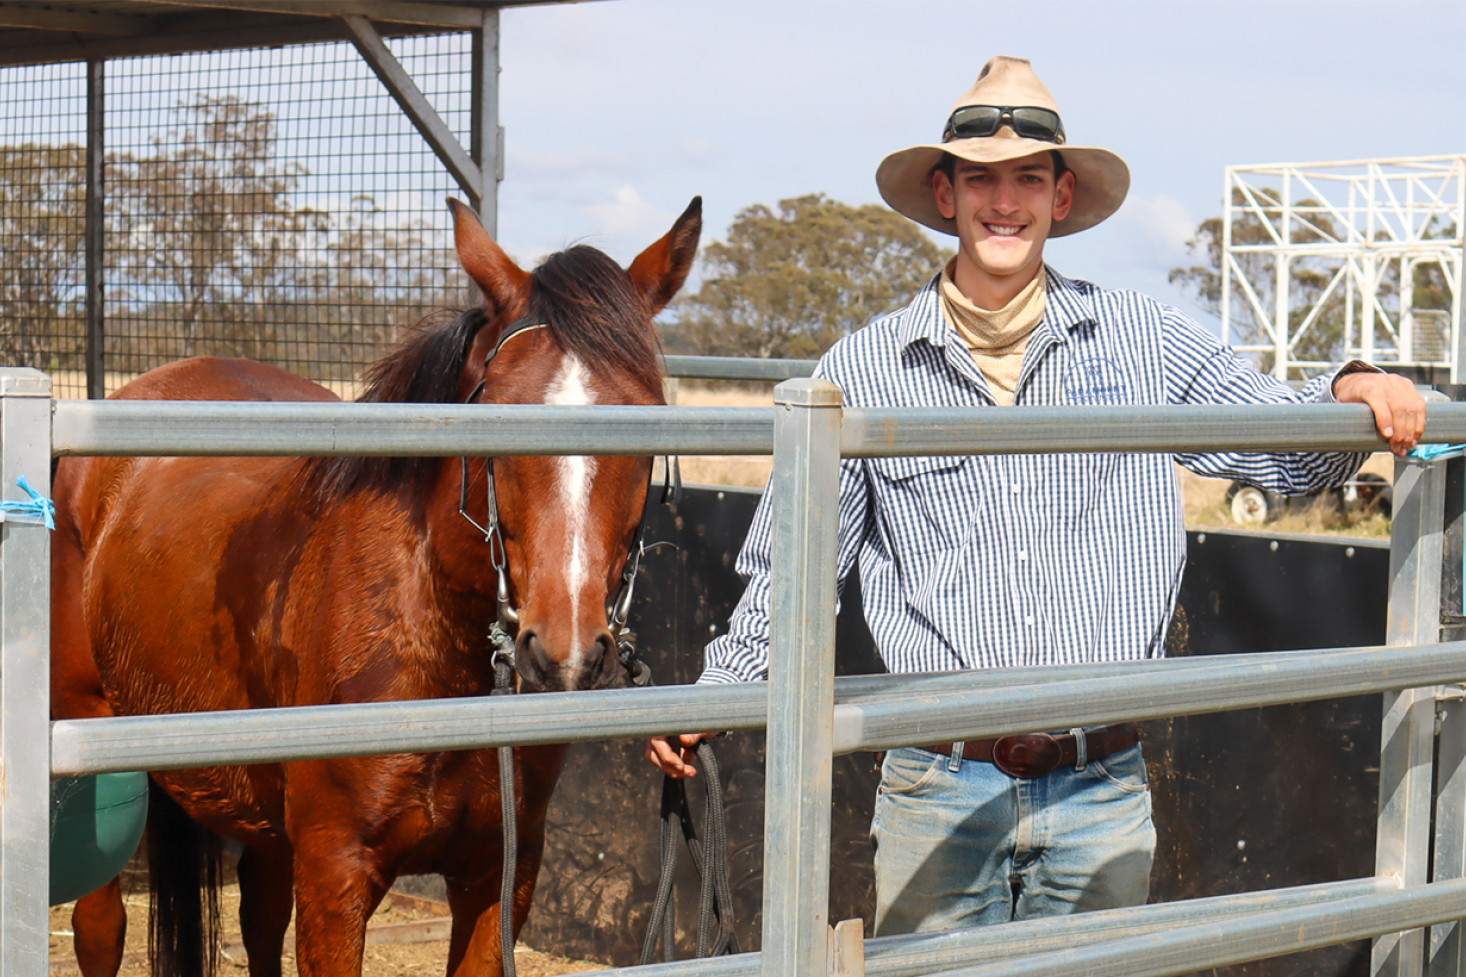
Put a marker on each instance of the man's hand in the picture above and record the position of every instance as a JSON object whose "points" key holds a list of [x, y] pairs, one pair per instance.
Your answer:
{"points": [[1399, 410], [675, 760]]}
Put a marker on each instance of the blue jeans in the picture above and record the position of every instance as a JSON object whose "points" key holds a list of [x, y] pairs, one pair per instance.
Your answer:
{"points": [[974, 846]]}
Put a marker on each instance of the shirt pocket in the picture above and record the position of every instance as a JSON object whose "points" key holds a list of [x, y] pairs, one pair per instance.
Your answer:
{"points": [[1070, 489], [929, 502]]}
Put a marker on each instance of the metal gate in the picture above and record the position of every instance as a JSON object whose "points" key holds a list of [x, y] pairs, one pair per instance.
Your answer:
{"points": [[810, 716]]}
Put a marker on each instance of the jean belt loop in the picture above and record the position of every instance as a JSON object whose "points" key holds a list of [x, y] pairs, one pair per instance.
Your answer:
{"points": [[1081, 748], [954, 762]]}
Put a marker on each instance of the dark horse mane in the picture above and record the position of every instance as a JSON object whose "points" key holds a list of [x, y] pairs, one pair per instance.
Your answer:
{"points": [[588, 303]]}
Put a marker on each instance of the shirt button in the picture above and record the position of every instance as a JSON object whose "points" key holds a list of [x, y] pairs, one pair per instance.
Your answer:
{"points": [[1028, 620], [1017, 489], [1023, 556]]}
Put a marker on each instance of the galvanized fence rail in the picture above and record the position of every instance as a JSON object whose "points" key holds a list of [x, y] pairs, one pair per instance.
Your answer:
{"points": [[810, 716]]}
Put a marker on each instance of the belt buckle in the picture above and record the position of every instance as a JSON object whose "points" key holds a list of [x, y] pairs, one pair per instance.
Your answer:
{"points": [[1027, 756]]}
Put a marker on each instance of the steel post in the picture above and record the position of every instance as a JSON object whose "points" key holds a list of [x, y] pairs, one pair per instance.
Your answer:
{"points": [[25, 653], [94, 232], [486, 136], [1402, 843], [1446, 947], [1447, 950], [799, 763]]}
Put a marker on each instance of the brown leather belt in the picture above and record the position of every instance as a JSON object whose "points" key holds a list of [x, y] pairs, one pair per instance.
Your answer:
{"points": [[1039, 754]]}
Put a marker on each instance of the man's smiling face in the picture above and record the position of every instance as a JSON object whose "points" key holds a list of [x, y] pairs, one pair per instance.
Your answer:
{"points": [[1004, 212]]}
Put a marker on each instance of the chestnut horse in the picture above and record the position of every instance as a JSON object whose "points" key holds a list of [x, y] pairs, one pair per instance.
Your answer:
{"points": [[199, 584]]}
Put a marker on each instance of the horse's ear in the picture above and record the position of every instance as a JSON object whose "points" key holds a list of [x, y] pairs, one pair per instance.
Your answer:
{"points": [[660, 270], [496, 274]]}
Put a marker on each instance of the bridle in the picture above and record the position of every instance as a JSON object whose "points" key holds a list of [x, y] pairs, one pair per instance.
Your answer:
{"points": [[618, 609]]}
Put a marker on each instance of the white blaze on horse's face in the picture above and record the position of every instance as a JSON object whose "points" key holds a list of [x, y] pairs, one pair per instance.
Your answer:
{"points": [[576, 474]]}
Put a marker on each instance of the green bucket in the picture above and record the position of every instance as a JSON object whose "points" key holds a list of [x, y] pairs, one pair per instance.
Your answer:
{"points": [[96, 824]]}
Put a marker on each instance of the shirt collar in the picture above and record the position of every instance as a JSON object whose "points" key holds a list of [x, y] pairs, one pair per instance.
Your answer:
{"points": [[1068, 308]]}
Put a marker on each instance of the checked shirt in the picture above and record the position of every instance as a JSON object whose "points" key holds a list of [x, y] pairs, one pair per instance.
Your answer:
{"points": [[1014, 560]]}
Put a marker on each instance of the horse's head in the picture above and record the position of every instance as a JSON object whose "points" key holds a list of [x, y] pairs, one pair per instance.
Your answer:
{"points": [[576, 331]]}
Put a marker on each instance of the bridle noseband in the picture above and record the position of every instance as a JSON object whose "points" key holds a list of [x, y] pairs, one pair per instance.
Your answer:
{"points": [[618, 609]]}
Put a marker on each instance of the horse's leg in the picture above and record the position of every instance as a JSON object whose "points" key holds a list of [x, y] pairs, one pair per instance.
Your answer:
{"points": [[476, 948], [338, 885], [99, 922], [266, 896]]}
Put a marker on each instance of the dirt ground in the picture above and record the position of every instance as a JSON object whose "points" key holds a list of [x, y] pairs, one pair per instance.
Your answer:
{"points": [[406, 938]]}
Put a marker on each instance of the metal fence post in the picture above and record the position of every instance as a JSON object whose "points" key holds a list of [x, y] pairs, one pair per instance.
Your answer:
{"points": [[1447, 948], [1402, 845], [25, 653], [805, 487]]}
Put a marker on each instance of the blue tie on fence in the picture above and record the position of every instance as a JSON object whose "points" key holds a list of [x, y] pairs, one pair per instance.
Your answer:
{"points": [[1438, 452], [38, 506]]}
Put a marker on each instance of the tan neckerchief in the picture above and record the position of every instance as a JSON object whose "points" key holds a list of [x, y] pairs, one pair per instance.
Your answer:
{"points": [[996, 338]]}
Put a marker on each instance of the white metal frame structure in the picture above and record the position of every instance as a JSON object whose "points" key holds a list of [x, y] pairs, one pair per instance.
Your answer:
{"points": [[1361, 228], [810, 715]]}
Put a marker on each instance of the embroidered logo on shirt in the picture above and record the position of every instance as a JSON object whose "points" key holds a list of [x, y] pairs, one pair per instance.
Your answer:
{"points": [[1095, 381]]}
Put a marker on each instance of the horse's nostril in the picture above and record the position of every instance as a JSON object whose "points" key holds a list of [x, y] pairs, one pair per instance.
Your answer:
{"points": [[529, 658], [606, 662]]}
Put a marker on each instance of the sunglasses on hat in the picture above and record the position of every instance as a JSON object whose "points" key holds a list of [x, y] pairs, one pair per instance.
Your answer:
{"points": [[1028, 121]]}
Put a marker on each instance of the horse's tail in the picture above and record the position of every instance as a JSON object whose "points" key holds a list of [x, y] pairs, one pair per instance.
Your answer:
{"points": [[184, 868]]}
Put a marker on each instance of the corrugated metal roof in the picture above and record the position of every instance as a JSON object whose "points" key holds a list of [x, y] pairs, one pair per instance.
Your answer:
{"points": [[47, 31]]}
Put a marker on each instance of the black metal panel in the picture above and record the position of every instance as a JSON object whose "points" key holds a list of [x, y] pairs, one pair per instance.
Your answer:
{"points": [[601, 867], [1295, 785], [1265, 798]]}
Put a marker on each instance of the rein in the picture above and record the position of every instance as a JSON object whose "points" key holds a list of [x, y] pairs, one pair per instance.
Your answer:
{"points": [[709, 858]]}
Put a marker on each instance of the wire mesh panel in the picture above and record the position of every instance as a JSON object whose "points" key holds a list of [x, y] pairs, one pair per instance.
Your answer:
{"points": [[273, 204], [42, 199]]}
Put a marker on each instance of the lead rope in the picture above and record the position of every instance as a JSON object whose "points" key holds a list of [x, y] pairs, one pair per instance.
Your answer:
{"points": [[509, 870], [710, 859]]}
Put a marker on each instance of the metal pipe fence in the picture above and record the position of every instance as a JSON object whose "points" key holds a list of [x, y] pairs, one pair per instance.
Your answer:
{"points": [[810, 716]]}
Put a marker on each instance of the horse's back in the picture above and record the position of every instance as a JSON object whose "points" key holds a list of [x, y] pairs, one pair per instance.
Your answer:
{"points": [[218, 378], [89, 490], [145, 547]]}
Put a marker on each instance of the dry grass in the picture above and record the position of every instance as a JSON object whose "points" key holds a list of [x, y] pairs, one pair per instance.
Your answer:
{"points": [[741, 470], [1205, 506]]}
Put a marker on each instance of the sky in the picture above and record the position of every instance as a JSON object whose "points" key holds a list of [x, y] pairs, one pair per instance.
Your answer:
{"points": [[617, 112]]}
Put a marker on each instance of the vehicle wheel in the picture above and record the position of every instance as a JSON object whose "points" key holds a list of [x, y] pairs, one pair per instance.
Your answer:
{"points": [[1369, 493], [1250, 505]]}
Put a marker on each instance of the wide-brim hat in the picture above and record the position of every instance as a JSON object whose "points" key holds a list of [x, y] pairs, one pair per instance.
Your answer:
{"points": [[1101, 179]]}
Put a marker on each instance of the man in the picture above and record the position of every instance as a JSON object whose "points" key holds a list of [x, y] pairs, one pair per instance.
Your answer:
{"points": [[1001, 561]]}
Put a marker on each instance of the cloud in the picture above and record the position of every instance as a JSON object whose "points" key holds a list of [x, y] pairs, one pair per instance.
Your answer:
{"points": [[565, 169], [628, 219], [695, 150], [1157, 228]]}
